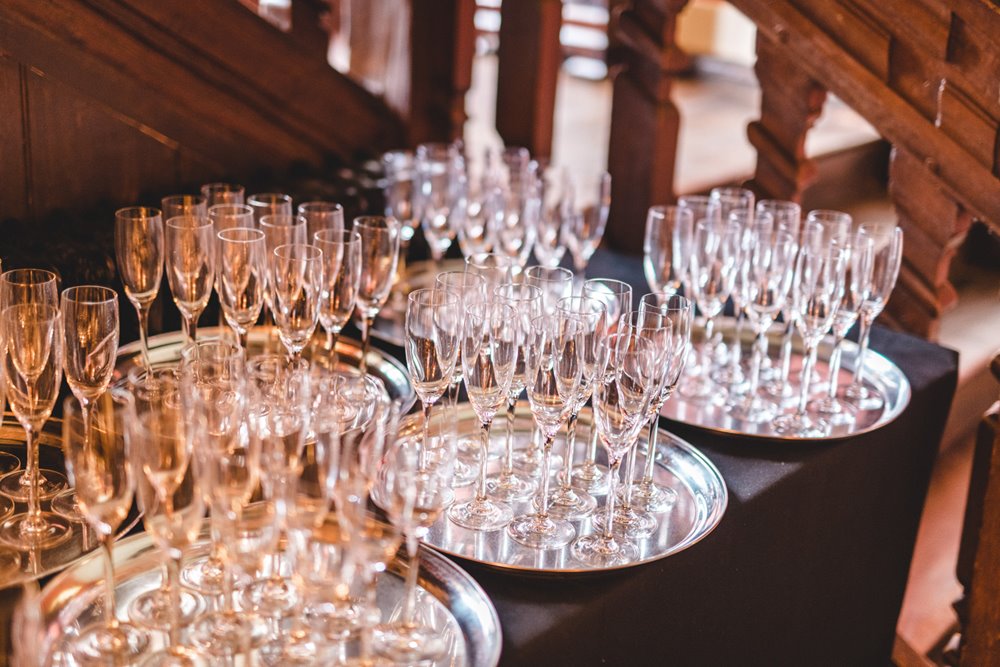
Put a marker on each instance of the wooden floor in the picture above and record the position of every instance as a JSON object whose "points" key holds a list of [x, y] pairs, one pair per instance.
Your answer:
{"points": [[713, 149]]}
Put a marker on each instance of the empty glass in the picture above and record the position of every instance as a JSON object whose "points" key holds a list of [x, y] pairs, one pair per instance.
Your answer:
{"points": [[379, 254], [555, 285], [223, 193], [139, 251], [341, 275], [269, 203], [190, 260], [230, 216], [437, 194], [184, 206], [240, 278], [591, 206], [320, 216], [664, 263], [296, 279]]}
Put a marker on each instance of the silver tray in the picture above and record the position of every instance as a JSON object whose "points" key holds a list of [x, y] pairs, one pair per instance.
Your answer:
{"points": [[881, 376], [73, 599], [389, 323], [166, 348], [40, 563], [701, 501]]}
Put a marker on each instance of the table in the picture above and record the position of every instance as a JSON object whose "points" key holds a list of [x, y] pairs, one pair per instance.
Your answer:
{"points": [[808, 566]]}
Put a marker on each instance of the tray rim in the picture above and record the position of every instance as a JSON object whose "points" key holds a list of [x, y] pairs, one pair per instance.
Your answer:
{"points": [[712, 519], [874, 362]]}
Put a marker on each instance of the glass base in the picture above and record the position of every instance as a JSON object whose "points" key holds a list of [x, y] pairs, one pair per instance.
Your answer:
{"points": [[596, 551], [270, 597], [753, 411], [802, 426], [783, 393], [465, 474], [629, 522], [592, 478], [103, 645], [222, 633], [8, 463], [833, 410], [533, 530], [510, 487], [152, 609], [292, 649], [177, 656], [569, 504], [649, 496], [334, 620], [483, 514], [204, 574], [863, 398], [27, 533], [15, 485], [65, 505], [409, 644]]}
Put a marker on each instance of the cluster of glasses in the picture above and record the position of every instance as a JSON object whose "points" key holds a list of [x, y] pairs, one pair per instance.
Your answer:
{"points": [[285, 457], [510, 205], [820, 276], [563, 349], [303, 268]]}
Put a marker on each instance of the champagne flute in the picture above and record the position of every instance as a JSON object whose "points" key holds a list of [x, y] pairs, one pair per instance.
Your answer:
{"points": [[341, 276], [296, 281], [279, 229], [888, 242], [554, 217], [184, 206], [553, 367], [90, 347], [432, 329], [139, 250], [437, 194], [489, 354], [379, 254], [320, 216], [240, 278], [515, 225], [190, 259], [567, 502], [223, 193], [619, 410], [730, 199], [663, 264], [160, 440], [588, 223], [817, 289], [398, 190], [616, 296], [269, 203], [484, 207], [679, 312], [94, 443], [555, 284], [231, 216]]}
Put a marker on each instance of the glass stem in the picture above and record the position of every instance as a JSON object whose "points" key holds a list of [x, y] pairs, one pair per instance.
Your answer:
{"points": [[366, 331], [629, 474], [864, 331], [412, 572], [244, 336], [759, 350], [567, 475], [110, 619], [329, 340], [334, 336], [807, 371], [143, 312], [614, 464], [838, 350], [425, 435], [647, 472], [706, 352], [543, 510], [35, 521], [484, 448], [508, 457], [786, 353], [737, 351], [186, 327], [591, 459], [174, 588]]}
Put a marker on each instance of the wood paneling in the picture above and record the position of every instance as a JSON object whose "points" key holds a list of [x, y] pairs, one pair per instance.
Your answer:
{"points": [[14, 202]]}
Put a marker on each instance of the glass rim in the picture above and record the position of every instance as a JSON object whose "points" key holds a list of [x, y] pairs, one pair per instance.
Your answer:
{"points": [[230, 209], [248, 234], [185, 199], [138, 213], [549, 273], [581, 299], [533, 291], [319, 206], [418, 295], [445, 278], [69, 294], [477, 263], [49, 276], [271, 220], [607, 282], [177, 222], [384, 223], [284, 251], [268, 199], [347, 236]]}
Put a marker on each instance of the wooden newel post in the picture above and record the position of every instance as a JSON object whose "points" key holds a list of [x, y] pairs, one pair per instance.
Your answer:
{"points": [[643, 59]]}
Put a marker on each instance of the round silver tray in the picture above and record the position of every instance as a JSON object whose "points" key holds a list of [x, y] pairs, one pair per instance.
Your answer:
{"points": [[36, 564], [73, 599], [389, 323], [881, 376], [166, 348], [701, 501]]}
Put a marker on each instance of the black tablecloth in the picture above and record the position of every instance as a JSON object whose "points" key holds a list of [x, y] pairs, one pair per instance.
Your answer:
{"points": [[807, 567]]}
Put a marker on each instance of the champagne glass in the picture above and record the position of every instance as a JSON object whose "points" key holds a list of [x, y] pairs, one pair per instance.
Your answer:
{"points": [[223, 193], [553, 367], [731, 375], [494, 268], [787, 217], [817, 289], [713, 270], [432, 329], [619, 409], [555, 216], [489, 355], [484, 209], [320, 216], [507, 484], [341, 275], [702, 207], [269, 203], [730, 199], [160, 440], [887, 258], [436, 194], [769, 268], [94, 444], [240, 278], [834, 225], [231, 216], [139, 250], [663, 264], [515, 226], [379, 254], [555, 284], [861, 256], [90, 346], [32, 373], [588, 223], [398, 190], [184, 206], [679, 312], [567, 502], [190, 259], [616, 296], [296, 281], [415, 496]]}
